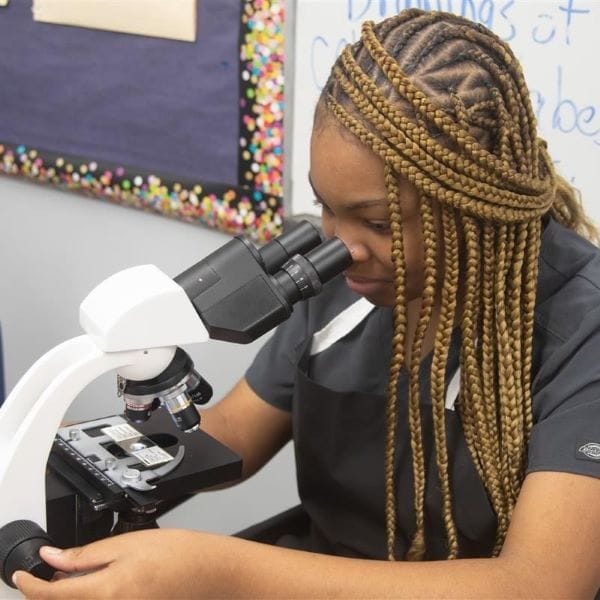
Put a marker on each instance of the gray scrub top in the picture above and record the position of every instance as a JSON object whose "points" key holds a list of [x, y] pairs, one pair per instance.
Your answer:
{"points": [[566, 354]]}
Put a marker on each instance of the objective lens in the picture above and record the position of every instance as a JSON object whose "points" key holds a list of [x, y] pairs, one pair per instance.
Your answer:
{"points": [[198, 388], [138, 410], [178, 387], [183, 412]]}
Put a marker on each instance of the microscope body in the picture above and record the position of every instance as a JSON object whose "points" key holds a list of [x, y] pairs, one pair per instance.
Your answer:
{"points": [[135, 322]]}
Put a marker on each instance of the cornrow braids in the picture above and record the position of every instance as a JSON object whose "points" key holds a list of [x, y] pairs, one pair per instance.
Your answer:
{"points": [[443, 102]]}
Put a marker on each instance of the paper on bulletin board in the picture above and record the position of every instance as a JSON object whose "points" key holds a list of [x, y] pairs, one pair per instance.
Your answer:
{"points": [[172, 19]]}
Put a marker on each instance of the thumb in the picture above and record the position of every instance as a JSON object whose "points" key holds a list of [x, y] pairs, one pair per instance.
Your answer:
{"points": [[75, 560]]}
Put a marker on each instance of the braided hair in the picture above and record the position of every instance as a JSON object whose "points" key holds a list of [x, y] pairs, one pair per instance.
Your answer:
{"points": [[444, 103]]}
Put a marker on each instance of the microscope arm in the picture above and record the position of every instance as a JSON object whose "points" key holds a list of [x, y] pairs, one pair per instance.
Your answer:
{"points": [[117, 316], [31, 418]]}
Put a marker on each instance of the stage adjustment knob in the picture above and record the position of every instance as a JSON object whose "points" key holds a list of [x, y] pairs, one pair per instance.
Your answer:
{"points": [[20, 543]]}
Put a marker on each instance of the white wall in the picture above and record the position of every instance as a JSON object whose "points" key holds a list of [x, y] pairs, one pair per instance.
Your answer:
{"points": [[553, 39], [55, 247]]}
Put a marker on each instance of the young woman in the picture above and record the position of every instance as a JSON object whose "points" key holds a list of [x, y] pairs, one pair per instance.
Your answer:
{"points": [[444, 395]]}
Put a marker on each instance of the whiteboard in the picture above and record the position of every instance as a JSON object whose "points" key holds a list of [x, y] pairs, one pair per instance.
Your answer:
{"points": [[557, 42]]}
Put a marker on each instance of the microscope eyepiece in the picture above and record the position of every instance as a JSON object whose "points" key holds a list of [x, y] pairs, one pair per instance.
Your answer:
{"points": [[298, 240], [303, 276], [329, 259]]}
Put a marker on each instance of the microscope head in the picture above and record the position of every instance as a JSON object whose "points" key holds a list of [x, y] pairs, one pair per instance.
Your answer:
{"points": [[239, 292]]}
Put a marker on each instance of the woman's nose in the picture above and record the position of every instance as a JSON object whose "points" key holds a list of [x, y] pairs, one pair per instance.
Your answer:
{"points": [[359, 252], [357, 248], [336, 227]]}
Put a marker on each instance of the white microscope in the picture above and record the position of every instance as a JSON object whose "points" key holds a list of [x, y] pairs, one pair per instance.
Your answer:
{"points": [[135, 322]]}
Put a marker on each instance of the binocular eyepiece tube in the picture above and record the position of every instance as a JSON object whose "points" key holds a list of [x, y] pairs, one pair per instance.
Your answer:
{"points": [[302, 276], [299, 240], [301, 262]]}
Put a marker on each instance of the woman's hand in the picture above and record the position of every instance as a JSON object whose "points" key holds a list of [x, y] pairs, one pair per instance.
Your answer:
{"points": [[171, 563], [157, 563]]}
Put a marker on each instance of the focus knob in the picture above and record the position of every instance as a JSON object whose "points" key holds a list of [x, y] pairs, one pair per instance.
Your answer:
{"points": [[20, 543]]}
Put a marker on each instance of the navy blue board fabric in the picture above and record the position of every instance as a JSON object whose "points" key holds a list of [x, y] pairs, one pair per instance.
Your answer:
{"points": [[157, 104]]}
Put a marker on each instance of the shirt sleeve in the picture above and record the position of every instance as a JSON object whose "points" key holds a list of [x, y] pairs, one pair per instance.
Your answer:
{"points": [[272, 373], [566, 405]]}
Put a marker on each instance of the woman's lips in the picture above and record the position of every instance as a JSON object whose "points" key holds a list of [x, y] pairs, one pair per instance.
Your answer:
{"points": [[365, 286]]}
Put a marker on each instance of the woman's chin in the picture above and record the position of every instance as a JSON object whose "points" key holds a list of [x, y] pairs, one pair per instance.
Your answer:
{"points": [[377, 292]]}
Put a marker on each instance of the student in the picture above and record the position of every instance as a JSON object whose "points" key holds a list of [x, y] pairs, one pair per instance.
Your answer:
{"points": [[452, 411]]}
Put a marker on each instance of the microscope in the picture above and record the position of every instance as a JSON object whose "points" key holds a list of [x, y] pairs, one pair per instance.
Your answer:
{"points": [[154, 454]]}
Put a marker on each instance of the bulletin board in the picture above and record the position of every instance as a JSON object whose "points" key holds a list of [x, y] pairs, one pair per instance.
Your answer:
{"points": [[190, 130]]}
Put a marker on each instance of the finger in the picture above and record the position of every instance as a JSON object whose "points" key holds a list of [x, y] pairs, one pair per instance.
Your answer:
{"points": [[76, 560], [76, 588], [32, 587]]}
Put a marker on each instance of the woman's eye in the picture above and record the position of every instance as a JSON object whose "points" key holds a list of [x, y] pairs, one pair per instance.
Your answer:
{"points": [[379, 226]]}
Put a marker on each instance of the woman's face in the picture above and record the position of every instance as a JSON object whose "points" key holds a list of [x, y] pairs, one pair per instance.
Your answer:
{"points": [[348, 181]]}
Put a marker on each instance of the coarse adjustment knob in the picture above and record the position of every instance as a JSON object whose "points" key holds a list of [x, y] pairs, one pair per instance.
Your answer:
{"points": [[20, 543]]}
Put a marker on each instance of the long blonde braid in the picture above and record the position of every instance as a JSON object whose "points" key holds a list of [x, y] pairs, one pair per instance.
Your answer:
{"points": [[444, 103]]}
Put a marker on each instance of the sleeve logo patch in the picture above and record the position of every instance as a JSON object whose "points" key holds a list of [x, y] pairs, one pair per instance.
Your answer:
{"points": [[590, 450]]}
